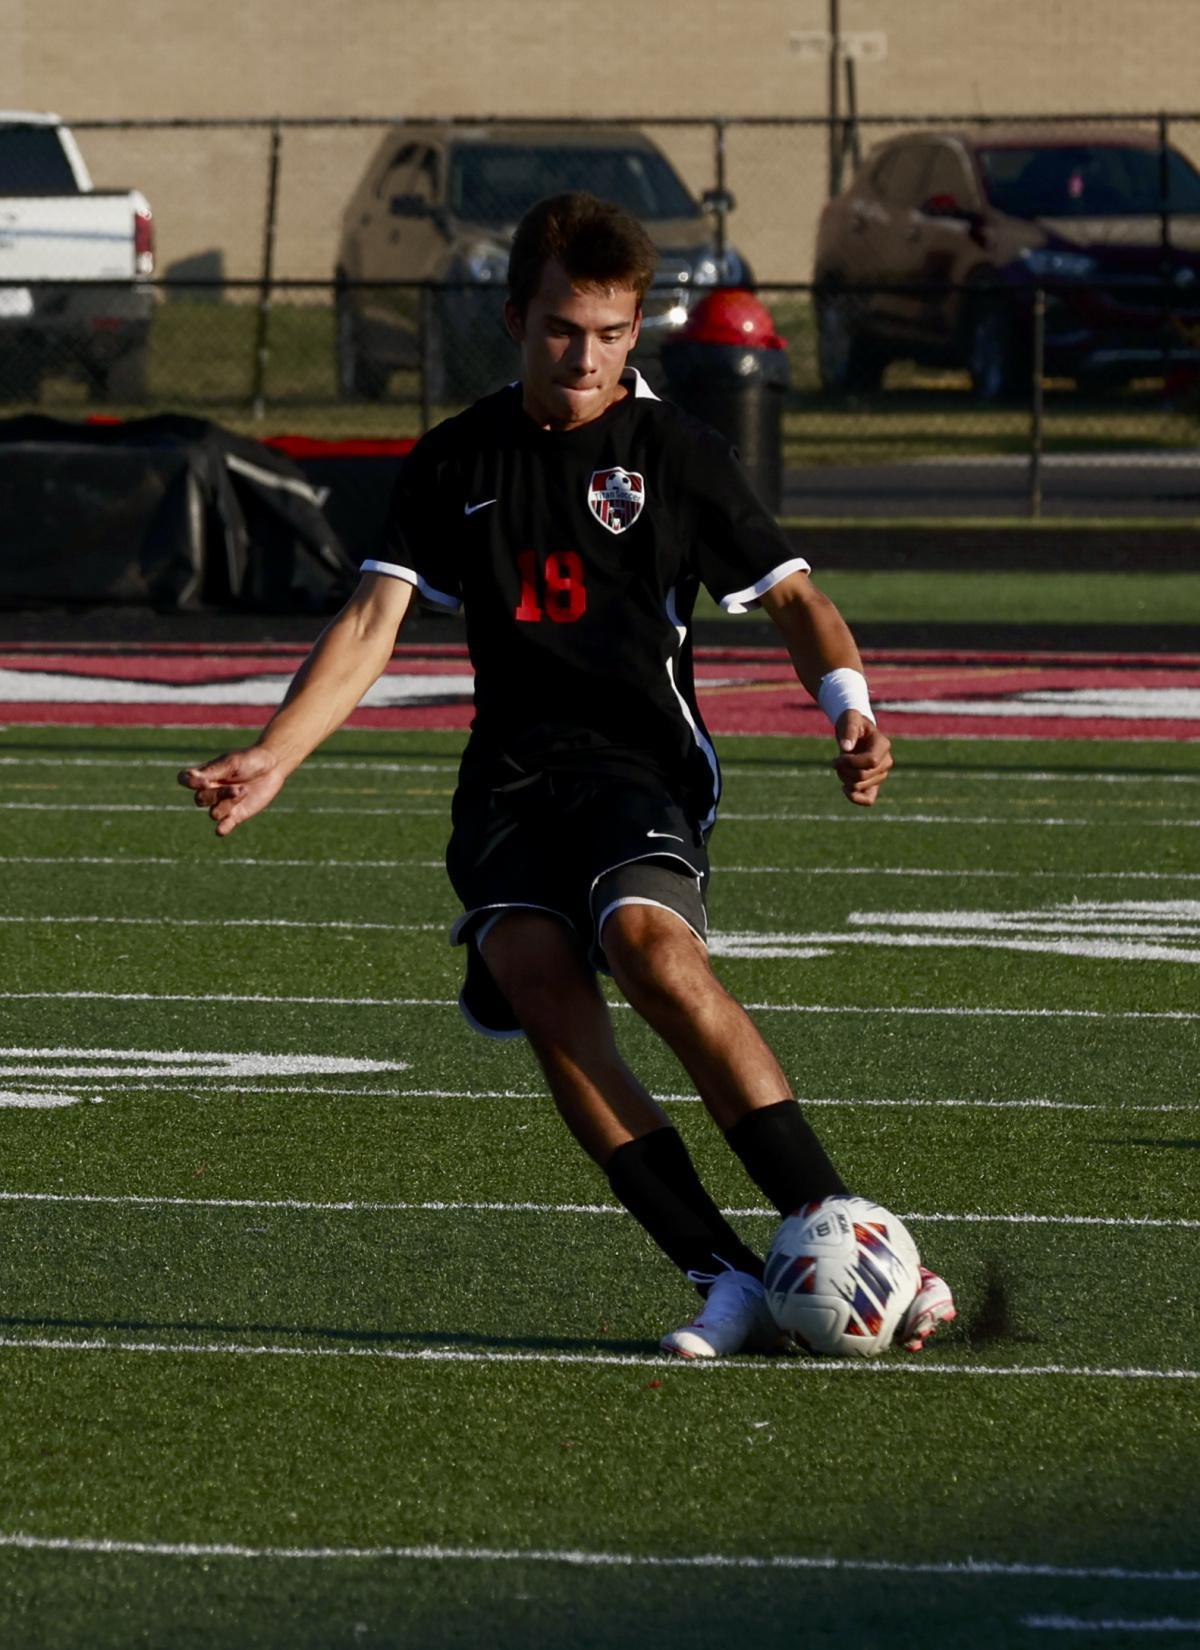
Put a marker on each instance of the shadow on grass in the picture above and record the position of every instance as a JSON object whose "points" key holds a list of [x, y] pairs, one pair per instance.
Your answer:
{"points": [[372, 1339], [988, 1324]]}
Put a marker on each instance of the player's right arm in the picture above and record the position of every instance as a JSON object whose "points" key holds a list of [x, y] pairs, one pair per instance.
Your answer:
{"points": [[351, 653]]}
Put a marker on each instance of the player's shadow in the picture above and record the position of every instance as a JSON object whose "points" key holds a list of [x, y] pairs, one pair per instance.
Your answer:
{"points": [[372, 1339]]}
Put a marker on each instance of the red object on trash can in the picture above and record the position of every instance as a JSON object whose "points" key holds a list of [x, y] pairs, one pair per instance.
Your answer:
{"points": [[729, 367], [733, 317]]}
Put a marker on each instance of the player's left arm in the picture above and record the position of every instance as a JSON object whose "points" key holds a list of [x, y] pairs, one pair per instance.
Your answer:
{"points": [[826, 660]]}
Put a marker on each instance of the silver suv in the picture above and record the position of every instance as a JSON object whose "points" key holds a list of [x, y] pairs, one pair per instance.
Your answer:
{"points": [[439, 204]]}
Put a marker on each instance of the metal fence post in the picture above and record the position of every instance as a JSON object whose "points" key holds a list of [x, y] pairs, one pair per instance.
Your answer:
{"points": [[1036, 434], [1164, 239], [261, 350], [833, 113], [425, 322], [719, 170]]}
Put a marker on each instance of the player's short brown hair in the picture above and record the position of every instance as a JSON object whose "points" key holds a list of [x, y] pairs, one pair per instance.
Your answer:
{"points": [[597, 243]]}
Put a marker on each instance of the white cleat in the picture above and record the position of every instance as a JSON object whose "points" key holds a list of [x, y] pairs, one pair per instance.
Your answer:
{"points": [[734, 1318], [932, 1305]]}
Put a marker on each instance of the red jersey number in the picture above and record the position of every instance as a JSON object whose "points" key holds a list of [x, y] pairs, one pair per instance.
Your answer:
{"points": [[559, 594]]}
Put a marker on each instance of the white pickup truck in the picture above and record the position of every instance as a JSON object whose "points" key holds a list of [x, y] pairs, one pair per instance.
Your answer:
{"points": [[73, 268]]}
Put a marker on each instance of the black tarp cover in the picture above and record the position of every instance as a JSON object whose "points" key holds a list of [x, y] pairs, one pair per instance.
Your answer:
{"points": [[171, 511]]}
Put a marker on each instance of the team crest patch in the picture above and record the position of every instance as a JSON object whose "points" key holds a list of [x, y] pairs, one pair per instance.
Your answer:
{"points": [[615, 498]]}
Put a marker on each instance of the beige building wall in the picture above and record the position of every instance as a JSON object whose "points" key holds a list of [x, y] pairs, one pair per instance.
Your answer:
{"points": [[175, 59]]}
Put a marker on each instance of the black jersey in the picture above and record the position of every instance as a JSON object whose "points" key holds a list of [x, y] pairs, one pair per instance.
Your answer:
{"points": [[577, 556]]}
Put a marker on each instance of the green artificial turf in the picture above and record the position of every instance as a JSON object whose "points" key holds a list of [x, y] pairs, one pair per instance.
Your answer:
{"points": [[367, 1356], [1018, 598]]}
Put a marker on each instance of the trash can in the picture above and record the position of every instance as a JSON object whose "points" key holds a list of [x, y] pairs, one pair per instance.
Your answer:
{"points": [[729, 367]]}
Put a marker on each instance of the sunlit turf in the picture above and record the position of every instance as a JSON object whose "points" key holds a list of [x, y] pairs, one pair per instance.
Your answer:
{"points": [[377, 1309], [1019, 598]]}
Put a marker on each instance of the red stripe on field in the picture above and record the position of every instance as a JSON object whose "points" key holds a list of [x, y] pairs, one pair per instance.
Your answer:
{"points": [[746, 690], [451, 718], [424, 717]]}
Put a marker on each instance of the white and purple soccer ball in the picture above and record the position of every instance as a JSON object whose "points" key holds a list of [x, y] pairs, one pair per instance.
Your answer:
{"points": [[840, 1275]]}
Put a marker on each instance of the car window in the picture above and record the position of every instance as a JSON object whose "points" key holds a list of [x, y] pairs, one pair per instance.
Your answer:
{"points": [[424, 179], [1086, 181], [900, 176], [497, 183], [32, 162], [948, 175], [397, 176]]}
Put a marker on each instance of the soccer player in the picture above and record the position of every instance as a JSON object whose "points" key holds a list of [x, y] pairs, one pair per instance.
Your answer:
{"points": [[573, 517]]}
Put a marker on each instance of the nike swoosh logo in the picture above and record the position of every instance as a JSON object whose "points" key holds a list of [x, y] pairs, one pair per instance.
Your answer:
{"points": [[470, 509], [668, 834]]}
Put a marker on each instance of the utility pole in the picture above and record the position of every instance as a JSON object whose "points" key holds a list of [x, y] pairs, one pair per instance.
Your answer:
{"points": [[833, 133]]}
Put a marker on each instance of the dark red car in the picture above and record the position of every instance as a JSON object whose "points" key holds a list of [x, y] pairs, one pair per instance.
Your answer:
{"points": [[936, 250]]}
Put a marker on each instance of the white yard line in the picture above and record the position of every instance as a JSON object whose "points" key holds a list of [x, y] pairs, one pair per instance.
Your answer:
{"points": [[745, 771], [1159, 1015], [573, 1558], [403, 809], [219, 861], [438, 1206], [1111, 1624], [247, 1089], [1087, 937], [783, 1366], [1100, 820], [909, 872], [215, 923], [782, 738], [168, 768], [216, 861]]}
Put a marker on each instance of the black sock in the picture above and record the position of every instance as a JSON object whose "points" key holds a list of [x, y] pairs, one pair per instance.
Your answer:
{"points": [[656, 1181], [783, 1157]]}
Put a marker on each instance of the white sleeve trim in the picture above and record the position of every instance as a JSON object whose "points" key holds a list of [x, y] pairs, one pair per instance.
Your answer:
{"points": [[641, 390], [395, 571], [740, 601]]}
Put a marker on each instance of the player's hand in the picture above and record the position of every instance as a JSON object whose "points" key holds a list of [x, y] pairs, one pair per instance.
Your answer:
{"points": [[235, 787], [865, 757]]}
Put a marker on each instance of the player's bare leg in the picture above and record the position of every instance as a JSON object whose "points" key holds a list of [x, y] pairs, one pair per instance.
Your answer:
{"points": [[538, 965], [540, 968], [662, 969]]}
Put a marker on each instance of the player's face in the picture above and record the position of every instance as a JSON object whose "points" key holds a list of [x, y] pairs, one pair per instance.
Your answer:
{"points": [[574, 341]]}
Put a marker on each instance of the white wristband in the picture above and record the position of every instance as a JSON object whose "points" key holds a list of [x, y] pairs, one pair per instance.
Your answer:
{"points": [[842, 690]]}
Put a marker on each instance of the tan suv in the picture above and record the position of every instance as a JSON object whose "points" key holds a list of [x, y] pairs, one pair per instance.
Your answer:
{"points": [[439, 203]]}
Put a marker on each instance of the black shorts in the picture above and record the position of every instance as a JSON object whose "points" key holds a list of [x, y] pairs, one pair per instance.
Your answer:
{"points": [[577, 845]]}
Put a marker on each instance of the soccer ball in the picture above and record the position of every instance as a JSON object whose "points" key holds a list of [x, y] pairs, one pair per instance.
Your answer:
{"points": [[840, 1275]]}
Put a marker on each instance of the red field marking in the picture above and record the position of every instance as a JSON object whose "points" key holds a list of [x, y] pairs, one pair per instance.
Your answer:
{"points": [[950, 694]]}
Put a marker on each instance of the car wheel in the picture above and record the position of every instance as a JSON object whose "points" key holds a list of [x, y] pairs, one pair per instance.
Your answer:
{"points": [[21, 365], [467, 354], [358, 377], [999, 369], [1101, 383], [124, 378], [848, 361]]}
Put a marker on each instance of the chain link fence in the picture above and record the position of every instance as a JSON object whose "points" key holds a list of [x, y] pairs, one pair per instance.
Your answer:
{"points": [[351, 284]]}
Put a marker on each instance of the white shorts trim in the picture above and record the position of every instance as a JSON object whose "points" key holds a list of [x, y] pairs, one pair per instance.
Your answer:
{"points": [[641, 899], [740, 601], [395, 570], [652, 856], [486, 1031], [485, 927]]}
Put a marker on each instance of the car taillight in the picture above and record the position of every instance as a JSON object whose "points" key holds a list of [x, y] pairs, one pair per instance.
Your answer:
{"points": [[143, 242]]}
